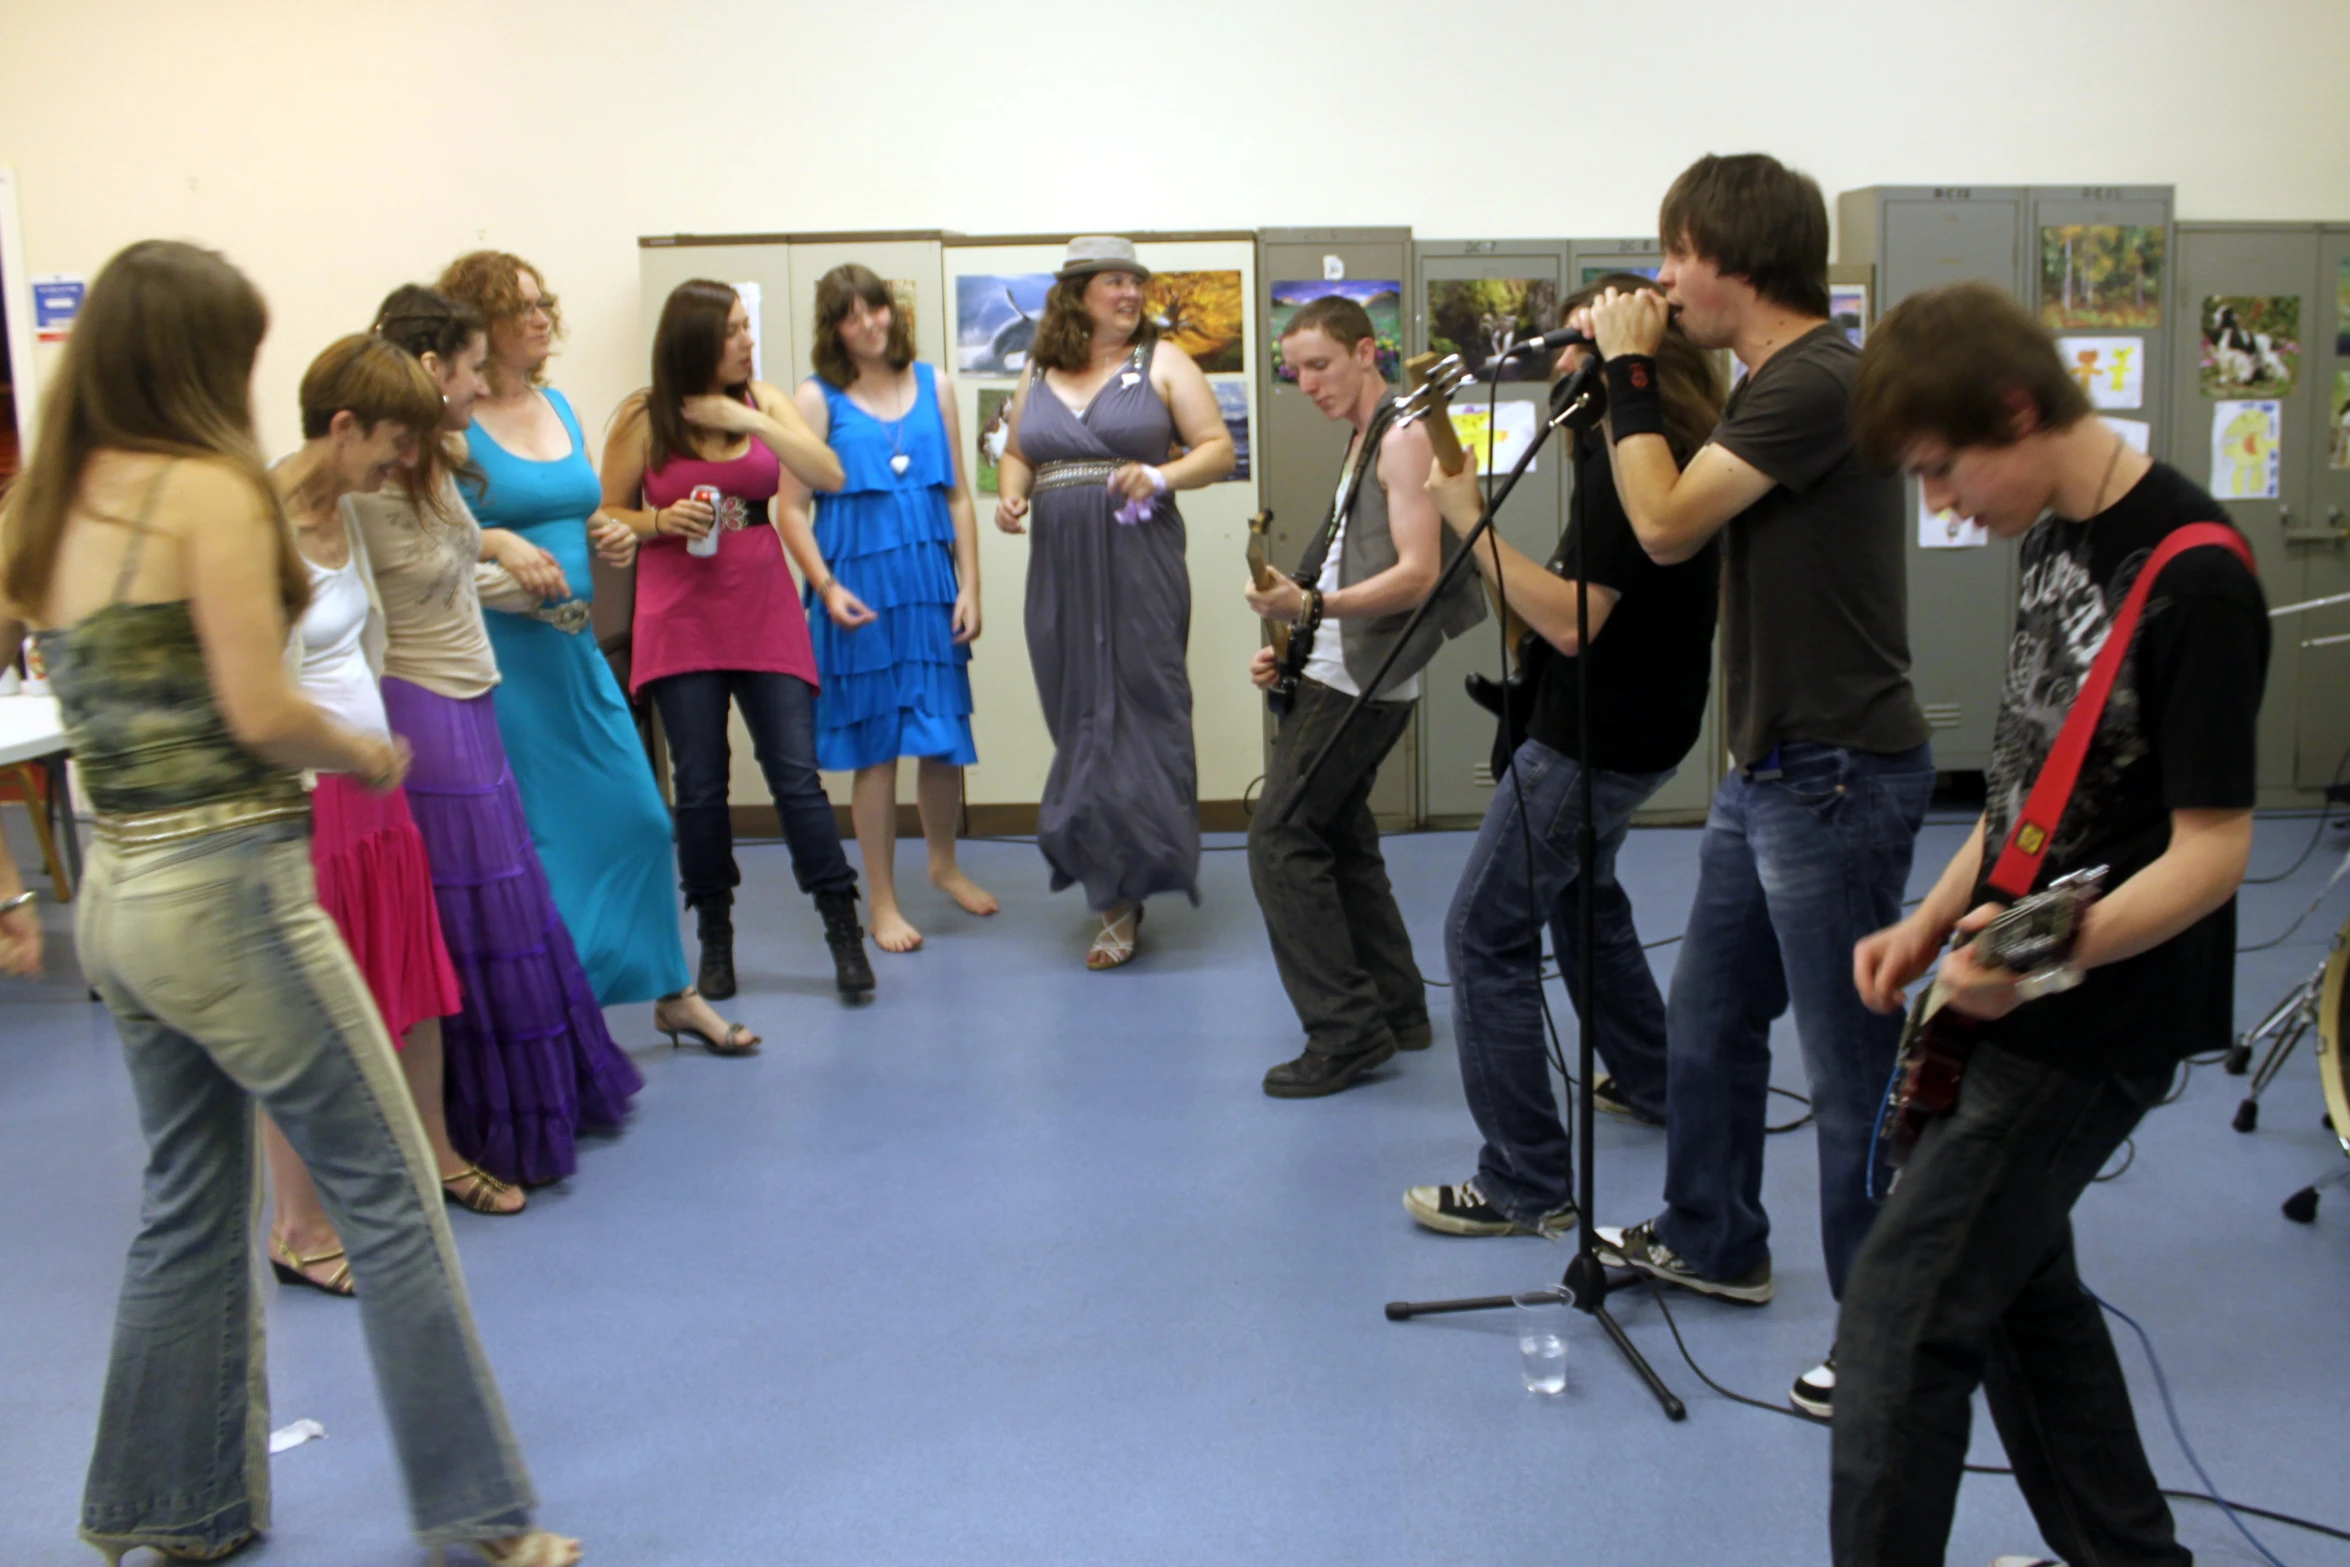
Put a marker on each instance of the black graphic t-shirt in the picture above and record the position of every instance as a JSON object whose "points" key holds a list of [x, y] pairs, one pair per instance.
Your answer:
{"points": [[1652, 662], [2177, 734]]}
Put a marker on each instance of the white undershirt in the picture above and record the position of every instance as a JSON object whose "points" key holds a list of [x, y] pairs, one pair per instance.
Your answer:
{"points": [[1327, 662], [334, 659]]}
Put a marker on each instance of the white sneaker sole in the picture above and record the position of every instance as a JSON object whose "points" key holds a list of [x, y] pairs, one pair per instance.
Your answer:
{"points": [[1428, 1216]]}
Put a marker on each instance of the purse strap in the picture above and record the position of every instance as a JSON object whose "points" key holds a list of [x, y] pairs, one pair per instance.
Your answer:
{"points": [[2018, 869]]}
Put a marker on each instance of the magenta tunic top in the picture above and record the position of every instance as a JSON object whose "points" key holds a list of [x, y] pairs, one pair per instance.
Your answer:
{"points": [[737, 609]]}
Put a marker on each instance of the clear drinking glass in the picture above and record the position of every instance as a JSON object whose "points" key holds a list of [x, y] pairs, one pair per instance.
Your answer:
{"points": [[1542, 1338]]}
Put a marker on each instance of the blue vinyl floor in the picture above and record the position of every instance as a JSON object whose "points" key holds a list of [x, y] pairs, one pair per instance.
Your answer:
{"points": [[1018, 1266]]}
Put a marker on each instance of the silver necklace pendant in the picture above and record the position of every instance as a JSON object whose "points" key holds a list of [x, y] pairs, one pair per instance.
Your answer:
{"points": [[900, 462]]}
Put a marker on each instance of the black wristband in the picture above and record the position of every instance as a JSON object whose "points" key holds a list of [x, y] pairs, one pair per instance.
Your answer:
{"points": [[1634, 405]]}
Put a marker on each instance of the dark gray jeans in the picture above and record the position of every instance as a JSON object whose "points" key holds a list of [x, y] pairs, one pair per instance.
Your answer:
{"points": [[1338, 938], [1493, 946], [1968, 1277]]}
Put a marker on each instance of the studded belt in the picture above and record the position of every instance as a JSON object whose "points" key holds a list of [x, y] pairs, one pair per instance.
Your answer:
{"points": [[1069, 475]]}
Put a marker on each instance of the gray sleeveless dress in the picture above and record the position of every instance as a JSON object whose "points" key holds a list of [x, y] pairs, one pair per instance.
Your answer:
{"points": [[1109, 617]]}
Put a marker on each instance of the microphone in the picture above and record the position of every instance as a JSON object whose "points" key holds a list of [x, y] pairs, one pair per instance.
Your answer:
{"points": [[1548, 344]]}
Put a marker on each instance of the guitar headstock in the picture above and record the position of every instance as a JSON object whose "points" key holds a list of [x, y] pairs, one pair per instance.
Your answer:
{"points": [[1260, 540], [1434, 380]]}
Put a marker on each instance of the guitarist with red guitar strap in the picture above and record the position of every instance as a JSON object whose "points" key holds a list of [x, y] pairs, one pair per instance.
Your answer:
{"points": [[2123, 754]]}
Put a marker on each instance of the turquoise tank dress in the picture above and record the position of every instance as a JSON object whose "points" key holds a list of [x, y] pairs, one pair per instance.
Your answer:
{"points": [[596, 815], [899, 685]]}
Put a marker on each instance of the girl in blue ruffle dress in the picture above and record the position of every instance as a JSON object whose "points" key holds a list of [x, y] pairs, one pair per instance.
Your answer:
{"points": [[901, 536]]}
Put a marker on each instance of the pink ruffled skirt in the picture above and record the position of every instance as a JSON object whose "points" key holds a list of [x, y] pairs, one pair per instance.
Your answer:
{"points": [[376, 885]]}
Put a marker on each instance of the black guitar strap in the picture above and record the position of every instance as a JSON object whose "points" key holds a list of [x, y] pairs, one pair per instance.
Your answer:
{"points": [[1342, 505]]}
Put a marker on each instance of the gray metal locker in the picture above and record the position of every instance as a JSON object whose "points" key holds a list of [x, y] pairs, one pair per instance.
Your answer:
{"points": [[1299, 451], [1961, 601], [2305, 718], [1456, 735]]}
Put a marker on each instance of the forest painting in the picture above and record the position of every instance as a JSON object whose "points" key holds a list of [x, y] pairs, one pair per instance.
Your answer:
{"points": [[1201, 313], [1479, 318], [2101, 274]]}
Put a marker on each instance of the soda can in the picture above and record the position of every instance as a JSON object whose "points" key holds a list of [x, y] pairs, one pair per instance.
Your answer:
{"points": [[711, 496]]}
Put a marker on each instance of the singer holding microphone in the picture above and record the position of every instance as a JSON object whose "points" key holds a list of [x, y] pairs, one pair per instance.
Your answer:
{"points": [[1808, 844], [1650, 631]]}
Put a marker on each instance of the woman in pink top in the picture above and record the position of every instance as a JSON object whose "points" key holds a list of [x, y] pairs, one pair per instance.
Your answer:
{"points": [[718, 619]]}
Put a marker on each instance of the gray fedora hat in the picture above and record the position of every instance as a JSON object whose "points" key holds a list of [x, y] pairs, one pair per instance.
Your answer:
{"points": [[1089, 253]]}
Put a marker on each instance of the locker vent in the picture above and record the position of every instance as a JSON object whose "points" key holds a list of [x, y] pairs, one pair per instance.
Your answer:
{"points": [[1482, 775], [1944, 715]]}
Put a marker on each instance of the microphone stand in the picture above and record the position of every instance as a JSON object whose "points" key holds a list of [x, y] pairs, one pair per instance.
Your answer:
{"points": [[1577, 403]]}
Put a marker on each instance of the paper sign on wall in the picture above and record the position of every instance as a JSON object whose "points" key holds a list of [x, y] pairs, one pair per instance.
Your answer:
{"points": [[57, 300], [2247, 438], [1511, 427], [2112, 370], [1946, 529], [2136, 434], [748, 293]]}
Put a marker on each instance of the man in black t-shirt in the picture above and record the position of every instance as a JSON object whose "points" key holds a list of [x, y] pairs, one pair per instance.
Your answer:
{"points": [[1650, 634], [1807, 847], [1969, 1275]]}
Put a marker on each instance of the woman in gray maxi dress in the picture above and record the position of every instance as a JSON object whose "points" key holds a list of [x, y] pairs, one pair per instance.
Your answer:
{"points": [[1109, 601]]}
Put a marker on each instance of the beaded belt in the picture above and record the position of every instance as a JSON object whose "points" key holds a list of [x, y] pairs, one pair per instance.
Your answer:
{"points": [[1068, 475], [572, 615], [140, 828]]}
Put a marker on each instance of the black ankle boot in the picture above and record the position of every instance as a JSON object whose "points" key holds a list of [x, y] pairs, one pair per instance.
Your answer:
{"points": [[716, 982], [846, 938]]}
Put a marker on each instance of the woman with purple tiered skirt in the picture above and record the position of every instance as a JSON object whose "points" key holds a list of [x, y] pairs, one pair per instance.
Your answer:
{"points": [[530, 1061]]}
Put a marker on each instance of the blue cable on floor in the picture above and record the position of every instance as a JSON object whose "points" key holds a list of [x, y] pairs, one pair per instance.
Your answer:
{"points": [[2171, 1410]]}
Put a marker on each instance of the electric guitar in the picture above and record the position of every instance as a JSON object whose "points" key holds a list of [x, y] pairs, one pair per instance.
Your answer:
{"points": [[2033, 938], [1260, 570], [1511, 698]]}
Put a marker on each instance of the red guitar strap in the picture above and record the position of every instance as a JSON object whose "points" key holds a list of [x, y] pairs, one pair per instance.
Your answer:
{"points": [[2018, 869]]}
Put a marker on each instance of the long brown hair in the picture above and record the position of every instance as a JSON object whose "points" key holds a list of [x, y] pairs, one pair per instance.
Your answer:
{"points": [[1064, 338], [1686, 378], [161, 361], [426, 321], [486, 280], [836, 292], [687, 346]]}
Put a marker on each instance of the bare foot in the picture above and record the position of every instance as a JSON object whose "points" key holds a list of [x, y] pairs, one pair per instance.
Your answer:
{"points": [[891, 933], [969, 896]]}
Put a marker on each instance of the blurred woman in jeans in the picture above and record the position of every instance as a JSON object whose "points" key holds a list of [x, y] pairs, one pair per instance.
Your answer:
{"points": [[147, 543]]}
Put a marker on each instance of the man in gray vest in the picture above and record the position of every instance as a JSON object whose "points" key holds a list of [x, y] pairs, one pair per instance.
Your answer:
{"points": [[1338, 938]]}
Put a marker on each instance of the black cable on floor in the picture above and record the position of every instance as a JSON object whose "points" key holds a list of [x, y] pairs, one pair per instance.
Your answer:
{"points": [[2315, 834], [1656, 1292]]}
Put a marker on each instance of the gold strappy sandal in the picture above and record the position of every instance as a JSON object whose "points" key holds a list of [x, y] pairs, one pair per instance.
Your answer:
{"points": [[293, 1268], [535, 1549], [475, 1188]]}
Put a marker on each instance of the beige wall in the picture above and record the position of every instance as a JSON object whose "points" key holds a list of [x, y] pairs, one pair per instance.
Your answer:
{"points": [[337, 150]]}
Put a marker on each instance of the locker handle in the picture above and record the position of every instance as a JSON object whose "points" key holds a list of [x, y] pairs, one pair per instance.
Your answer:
{"points": [[2330, 531]]}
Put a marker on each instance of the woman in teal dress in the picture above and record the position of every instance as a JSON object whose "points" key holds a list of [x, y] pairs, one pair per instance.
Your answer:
{"points": [[596, 814]]}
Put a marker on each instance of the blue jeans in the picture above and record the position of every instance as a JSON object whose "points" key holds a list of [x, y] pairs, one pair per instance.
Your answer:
{"points": [[229, 985], [1792, 871], [780, 712], [1493, 946]]}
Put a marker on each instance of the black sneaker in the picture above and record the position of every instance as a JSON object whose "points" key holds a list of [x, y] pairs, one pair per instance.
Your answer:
{"points": [[1315, 1073], [1463, 1210], [1414, 1036], [1605, 1095], [1638, 1248], [1815, 1391]]}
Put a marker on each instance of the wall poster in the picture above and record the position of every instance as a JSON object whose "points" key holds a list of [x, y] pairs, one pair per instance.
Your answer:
{"points": [[2247, 441], [1479, 318], [1383, 298], [2251, 345], [2101, 274], [2112, 370]]}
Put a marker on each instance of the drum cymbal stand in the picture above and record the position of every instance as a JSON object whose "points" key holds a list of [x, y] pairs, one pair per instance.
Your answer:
{"points": [[2291, 1018]]}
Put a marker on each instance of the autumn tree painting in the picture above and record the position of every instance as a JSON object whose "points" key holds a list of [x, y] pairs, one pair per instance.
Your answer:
{"points": [[2101, 274], [1202, 313]]}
